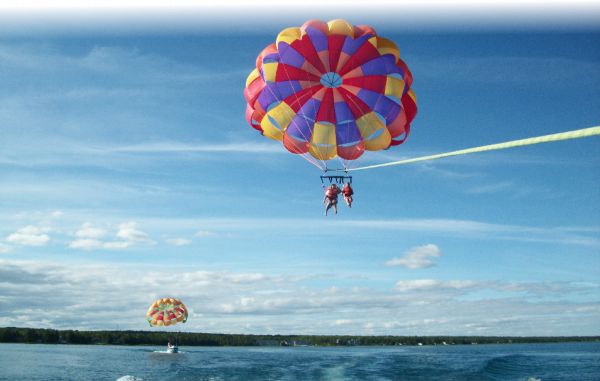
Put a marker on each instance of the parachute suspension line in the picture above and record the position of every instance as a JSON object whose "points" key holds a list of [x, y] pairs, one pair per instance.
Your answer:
{"points": [[342, 162], [355, 104], [567, 135], [345, 165], [306, 157], [312, 160]]}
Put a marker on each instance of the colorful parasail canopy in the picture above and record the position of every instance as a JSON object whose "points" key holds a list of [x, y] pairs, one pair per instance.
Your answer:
{"points": [[331, 90], [167, 311]]}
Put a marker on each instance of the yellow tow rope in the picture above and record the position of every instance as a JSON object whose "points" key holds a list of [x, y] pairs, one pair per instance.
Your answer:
{"points": [[575, 134]]}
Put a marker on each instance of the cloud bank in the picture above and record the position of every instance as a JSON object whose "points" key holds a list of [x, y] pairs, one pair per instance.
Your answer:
{"points": [[42, 294]]}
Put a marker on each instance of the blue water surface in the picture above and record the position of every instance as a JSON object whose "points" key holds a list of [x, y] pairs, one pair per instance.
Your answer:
{"points": [[514, 362]]}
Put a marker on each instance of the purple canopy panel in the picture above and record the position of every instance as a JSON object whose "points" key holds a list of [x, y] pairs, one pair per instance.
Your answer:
{"points": [[351, 45], [300, 128], [318, 39], [387, 108], [381, 65], [310, 109], [346, 130], [290, 56], [369, 97]]}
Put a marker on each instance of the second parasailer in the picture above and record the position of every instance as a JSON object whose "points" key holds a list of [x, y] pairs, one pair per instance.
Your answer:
{"points": [[165, 312]]}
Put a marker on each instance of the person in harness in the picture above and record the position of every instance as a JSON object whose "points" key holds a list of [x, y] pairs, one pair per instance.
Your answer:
{"points": [[348, 192], [331, 198]]}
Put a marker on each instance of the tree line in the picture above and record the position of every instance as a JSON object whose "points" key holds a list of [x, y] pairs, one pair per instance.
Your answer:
{"points": [[53, 336]]}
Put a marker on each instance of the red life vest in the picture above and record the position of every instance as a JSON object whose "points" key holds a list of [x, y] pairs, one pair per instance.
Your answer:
{"points": [[332, 192]]}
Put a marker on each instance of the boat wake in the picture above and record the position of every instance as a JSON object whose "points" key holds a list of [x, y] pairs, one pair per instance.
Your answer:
{"points": [[168, 353], [518, 366]]}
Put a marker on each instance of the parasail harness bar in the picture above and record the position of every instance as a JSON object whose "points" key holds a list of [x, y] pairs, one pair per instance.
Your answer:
{"points": [[336, 179]]}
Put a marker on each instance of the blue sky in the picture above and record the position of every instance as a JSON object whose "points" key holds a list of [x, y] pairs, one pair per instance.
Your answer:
{"points": [[128, 172]]}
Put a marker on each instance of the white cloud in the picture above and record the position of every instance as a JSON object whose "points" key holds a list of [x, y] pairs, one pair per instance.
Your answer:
{"points": [[418, 257], [85, 244], [87, 230], [117, 245], [247, 278], [30, 236], [178, 241], [94, 244], [247, 301], [431, 284], [128, 234], [343, 322], [204, 233]]}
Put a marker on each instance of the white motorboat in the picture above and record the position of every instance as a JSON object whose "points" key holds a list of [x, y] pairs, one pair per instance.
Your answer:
{"points": [[172, 349]]}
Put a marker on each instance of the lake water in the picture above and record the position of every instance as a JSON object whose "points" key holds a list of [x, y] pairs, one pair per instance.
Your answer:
{"points": [[518, 362]]}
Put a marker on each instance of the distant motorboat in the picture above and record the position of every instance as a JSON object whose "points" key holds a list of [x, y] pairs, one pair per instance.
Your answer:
{"points": [[172, 348]]}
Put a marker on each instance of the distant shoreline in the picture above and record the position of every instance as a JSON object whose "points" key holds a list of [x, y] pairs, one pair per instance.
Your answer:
{"points": [[128, 337]]}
